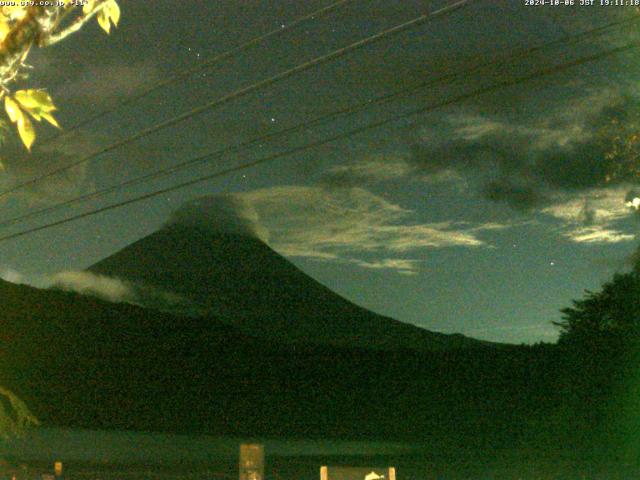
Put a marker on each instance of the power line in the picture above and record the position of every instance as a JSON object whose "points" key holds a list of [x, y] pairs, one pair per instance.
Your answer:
{"points": [[520, 54], [251, 88], [285, 28], [456, 99]]}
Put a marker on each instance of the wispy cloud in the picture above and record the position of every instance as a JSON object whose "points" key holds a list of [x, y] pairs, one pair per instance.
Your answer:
{"points": [[99, 84], [373, 169], [82, 282], [592, 216], [230, 213], [597, 234], [106, 288], [86, 283], [317, 223], [22, 167], [526, 162], [399, 265], [344, 225], [593, 206]]}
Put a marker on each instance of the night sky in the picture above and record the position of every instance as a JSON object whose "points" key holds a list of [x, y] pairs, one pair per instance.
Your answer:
{"points": [[484, 217]]}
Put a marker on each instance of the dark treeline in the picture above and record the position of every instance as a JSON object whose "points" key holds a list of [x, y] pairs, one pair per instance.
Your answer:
{"points": [[81, 362]]}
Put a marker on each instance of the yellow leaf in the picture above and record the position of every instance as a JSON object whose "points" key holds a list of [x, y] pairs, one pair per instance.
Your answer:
{"points": [[35, 100], [49, 118], [26, 131], [109, 14], [88, 7], [14, 12], [113, 11], [12, 108], [25, 127], [35, 114], [4, 28], [104, 22]]}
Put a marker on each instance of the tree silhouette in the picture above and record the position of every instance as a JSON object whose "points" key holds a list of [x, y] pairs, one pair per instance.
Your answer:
{"points": [[610, 316]]}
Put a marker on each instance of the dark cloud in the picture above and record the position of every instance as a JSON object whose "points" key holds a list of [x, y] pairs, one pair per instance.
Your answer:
{"points": [[528, 164], [575, 167], [221, 214], [21, 166], [588, 215], [373, 169], [520, 197]]}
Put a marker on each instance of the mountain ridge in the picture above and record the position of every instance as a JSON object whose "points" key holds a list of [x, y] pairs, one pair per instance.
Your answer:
{"points": [[82, 362], [242, 281]]}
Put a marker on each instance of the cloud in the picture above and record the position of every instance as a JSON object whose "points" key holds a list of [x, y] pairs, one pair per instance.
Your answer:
{"points": [[342, 225], [592, 216], [106, 288], [231, 214], [86, 283], [399, 265], [12, 276], [100, 84], [376, 168], [22, 167], [575, 162], [82, 282], [519, 196], [319, 223], [598, 234], [527, 161], [594, 206]]}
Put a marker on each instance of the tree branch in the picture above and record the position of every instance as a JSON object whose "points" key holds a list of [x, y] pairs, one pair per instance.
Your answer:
{"points": [[74, 27]]}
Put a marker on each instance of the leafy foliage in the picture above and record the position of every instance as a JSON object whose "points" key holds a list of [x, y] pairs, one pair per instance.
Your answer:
{"points": [[23, 27], [610, 315], [15, 416]]}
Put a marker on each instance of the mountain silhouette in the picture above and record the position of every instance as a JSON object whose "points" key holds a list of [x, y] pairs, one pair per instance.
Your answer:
{"points": [[81, 362], [243, 282]]}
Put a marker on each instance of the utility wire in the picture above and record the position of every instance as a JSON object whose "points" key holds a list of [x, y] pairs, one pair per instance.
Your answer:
{"points": [[349, 110], [286, 28], [456, 99], [250, 89]]}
